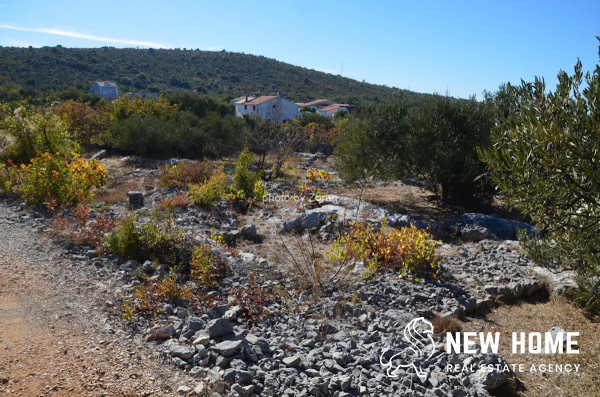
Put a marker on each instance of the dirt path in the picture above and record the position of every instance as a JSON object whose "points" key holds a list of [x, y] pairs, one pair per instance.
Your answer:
{"points": [[55, 337]]}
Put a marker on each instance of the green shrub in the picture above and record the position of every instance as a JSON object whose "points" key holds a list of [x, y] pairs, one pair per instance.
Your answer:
{"points": [[437, 140], [194, 128], [124, 240], [207, 267], [160, 242], [211, 191], [376, 144], [545, 160], [445, 136], [243, 178]]}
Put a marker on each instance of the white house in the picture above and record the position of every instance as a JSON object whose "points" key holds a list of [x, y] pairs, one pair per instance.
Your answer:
{"points": [[105, 89], [274, 108], [331, 110]]}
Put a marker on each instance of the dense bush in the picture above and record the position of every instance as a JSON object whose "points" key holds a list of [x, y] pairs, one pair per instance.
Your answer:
{"points": [[437, 140], [375, 144], [545, 160], [211, 191], [85, 123], [160, 242], [408, 250], [163, 130], [179, 175], [124, 108], [445, 135], [30, 131], [54, 180], [142, 136]]}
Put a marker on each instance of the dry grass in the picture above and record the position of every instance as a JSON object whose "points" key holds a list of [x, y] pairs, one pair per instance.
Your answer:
{"points": [[442, 325], [540, 317], [118, 182], [403, 199], [114, 192]]}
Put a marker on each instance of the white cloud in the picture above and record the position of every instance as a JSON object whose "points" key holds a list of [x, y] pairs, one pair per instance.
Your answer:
{"points": [[84, 36]]}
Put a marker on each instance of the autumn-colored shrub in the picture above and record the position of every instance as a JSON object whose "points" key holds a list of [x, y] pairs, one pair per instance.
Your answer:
{"points": [[86, 124], [80, 228], [314, 175], [147, 297], [179, 175], [177, 201], [255, 300], [207, 267], [32, 131], [124, 108], [55, 180], [259, 190], [408, 250], [211, 191]]}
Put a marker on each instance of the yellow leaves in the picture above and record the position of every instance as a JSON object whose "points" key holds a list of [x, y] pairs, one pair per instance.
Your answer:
{"points": [[211, 191], [313, 175], [54, 181], [409, 250]]}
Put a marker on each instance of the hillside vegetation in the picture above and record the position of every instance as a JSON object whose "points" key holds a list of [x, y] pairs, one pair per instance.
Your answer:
{"points": [[33, 71]]}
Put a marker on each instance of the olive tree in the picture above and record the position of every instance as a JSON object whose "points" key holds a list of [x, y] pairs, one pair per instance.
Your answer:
{"points": [[545, 159]]}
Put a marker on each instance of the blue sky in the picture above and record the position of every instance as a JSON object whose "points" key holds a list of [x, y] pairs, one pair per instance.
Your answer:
{"points": [[458, 47]]}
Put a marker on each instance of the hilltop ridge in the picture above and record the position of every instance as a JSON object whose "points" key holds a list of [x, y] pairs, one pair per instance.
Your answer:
{"points": [[30, 71]]}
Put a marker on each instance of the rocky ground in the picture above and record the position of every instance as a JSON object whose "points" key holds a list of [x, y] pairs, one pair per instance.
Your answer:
{"points": [[61, 330]]}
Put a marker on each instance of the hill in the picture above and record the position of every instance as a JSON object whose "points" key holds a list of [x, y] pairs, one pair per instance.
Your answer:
{"points": [[32, 71]]}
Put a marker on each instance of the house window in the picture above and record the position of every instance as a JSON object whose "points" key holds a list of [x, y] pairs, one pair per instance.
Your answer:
{"points": [[245, 107], [273, 106], [253, 107]]}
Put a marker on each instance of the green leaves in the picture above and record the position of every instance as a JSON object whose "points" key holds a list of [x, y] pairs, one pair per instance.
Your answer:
{"points": [[545, 160], [437, 140]]}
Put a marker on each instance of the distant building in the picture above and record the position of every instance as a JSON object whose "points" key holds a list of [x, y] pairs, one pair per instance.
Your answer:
{"points": [[274, 108], [316, 104], [105, 89], [331, 110]]}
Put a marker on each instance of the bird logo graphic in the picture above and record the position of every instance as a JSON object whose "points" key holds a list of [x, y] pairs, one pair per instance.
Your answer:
{"points": [[420, 346]]}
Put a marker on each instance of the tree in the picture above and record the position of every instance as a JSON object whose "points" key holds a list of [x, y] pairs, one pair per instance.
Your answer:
{"points": [[545, 159], [445, 135], [375, 144]]}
